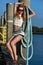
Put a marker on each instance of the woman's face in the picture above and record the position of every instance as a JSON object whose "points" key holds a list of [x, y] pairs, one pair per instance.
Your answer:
{"points": [[20, 10]]}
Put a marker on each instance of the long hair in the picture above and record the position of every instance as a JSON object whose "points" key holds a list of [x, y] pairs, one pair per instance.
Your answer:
{"points": [[24, 13]]}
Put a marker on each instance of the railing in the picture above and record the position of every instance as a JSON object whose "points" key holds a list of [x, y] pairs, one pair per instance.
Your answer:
{"points": [[2, 34]]}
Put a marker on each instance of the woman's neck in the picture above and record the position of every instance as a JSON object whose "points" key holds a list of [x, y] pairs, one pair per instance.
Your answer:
{"points": [[19, 16]]}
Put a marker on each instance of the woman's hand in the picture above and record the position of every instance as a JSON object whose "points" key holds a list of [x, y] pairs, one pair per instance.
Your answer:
{"points": [[17, 3]]}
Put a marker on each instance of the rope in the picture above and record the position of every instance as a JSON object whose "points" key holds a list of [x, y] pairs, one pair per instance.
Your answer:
{"points": [[27, 41]]}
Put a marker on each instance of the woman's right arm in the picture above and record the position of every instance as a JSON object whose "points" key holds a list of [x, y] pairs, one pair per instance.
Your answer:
{"points": [[15, 9]]}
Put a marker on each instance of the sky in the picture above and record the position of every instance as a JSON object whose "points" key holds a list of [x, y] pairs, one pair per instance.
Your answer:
{"points": [[36, 5]]}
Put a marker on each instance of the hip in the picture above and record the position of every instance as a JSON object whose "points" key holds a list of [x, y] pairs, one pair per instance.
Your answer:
{"points": [[18, 32]]}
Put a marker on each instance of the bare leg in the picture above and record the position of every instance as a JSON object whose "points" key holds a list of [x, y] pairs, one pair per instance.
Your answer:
{"points": [[10, 49], [14, 41]]}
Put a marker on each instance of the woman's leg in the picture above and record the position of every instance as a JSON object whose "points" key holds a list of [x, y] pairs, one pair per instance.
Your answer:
{"points": [[10, 49], [14, 41]]}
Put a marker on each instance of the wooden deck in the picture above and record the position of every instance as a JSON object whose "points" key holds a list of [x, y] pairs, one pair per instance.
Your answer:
{"points": [[10, 62]]}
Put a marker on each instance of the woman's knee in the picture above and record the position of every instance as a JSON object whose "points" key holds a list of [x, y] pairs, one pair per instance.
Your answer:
{"points": [[7, 44]]}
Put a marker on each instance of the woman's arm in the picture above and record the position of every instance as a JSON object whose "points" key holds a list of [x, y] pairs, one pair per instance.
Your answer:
{"points": [[15, 8], [31, 13], [17, 3]]}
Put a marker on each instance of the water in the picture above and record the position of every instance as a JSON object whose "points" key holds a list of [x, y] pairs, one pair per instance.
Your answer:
{"points": [[37, 58]]}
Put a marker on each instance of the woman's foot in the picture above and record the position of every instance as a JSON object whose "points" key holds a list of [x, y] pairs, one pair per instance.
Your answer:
{"points": [[16, 57]]}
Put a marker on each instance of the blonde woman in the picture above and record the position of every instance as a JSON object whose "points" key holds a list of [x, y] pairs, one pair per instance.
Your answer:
{"points": [[18, 31]]}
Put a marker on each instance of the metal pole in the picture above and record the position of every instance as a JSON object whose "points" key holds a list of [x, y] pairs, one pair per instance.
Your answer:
{"points": [[2, 20], [5, 18], [26, 2], [27, 62]]}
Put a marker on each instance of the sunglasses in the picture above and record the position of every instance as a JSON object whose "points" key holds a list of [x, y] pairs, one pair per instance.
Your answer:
{"points": [[21, 10]]}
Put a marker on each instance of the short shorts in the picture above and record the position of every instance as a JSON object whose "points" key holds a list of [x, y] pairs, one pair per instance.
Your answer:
{"points": [[17, 32]]}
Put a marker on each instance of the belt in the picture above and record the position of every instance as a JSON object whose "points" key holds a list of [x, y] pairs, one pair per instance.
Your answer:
{"points": [[18, 29]]}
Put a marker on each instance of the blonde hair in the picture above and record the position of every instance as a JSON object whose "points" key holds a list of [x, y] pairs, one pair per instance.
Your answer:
{"points": [[24, 12], [20, 5], [24, 15]]}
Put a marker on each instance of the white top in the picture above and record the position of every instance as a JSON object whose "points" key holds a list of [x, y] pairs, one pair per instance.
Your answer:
{"points": [[18, 22]]}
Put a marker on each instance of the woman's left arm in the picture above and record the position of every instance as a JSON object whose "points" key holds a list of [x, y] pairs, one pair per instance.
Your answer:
{"points": [[31, 12]]}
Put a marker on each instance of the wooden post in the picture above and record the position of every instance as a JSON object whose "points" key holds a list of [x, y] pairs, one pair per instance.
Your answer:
{"points": [[27, 3], [9, 13]]}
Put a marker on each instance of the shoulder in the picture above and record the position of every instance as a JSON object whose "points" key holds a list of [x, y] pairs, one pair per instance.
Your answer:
{"points": [[15, 18]]}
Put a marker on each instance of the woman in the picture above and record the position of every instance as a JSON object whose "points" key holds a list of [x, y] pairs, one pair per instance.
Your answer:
{"points": [[18, 32]]}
